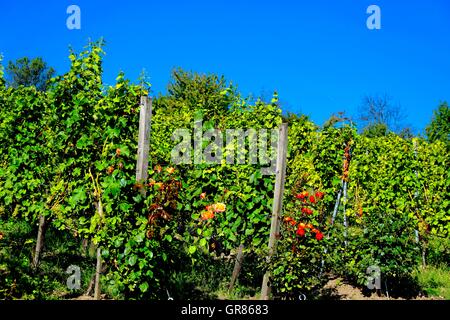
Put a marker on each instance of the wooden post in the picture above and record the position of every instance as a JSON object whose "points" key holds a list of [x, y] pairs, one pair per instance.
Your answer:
{"points": [[145, 119], [237, 267], [98, 270], [39, 241], [277, 202], [98, 267]]}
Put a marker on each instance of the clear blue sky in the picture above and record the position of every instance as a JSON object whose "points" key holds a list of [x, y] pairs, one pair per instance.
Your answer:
{"points": [[319, 55]]}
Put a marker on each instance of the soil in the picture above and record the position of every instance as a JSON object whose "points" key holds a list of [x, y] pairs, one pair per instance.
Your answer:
{"points": [[338, 289], [335, 289], [85, 297]]}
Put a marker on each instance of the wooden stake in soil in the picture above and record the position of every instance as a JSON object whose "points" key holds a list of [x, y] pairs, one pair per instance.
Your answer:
{"points": [[277, 203], [98, 270], [237, 267], [141, 174], [98, 267], [39, 241], [144, 140]]}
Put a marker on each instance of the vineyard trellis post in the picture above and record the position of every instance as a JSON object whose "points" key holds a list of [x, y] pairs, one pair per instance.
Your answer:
{"points": [[237, 266], [145, 119], [39, 241], [98, 266], [277, 202]]}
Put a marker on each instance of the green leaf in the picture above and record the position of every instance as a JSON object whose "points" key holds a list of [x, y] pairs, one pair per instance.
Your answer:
{"points": [[105, 253], [192, 249], [132, 260], [139, 237], [143, 287]]}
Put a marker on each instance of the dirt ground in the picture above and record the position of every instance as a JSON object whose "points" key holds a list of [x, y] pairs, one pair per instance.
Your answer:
{"points": [[84, 297], [337, 289]]}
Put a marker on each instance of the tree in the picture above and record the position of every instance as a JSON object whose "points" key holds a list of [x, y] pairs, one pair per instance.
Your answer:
{"points": [[29, 73], [375, 130], [209, 93], [406, 133], [335, 119], [2, 81], [379, 115], [439, 128]]}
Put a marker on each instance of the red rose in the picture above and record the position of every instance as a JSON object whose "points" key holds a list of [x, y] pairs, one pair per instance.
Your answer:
{"points": [[319, 236], [319, 195], [301, 232], [287, 219], [206, 215], [312, 199]]}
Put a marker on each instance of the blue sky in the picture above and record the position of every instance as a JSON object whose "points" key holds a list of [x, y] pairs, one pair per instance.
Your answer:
{"points": [[319, 55]]}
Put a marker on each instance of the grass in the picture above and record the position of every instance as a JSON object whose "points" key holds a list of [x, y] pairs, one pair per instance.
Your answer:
{"points": [[239, 292], [209, 281], [435, 281], [212, 278], [18, 280]]}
